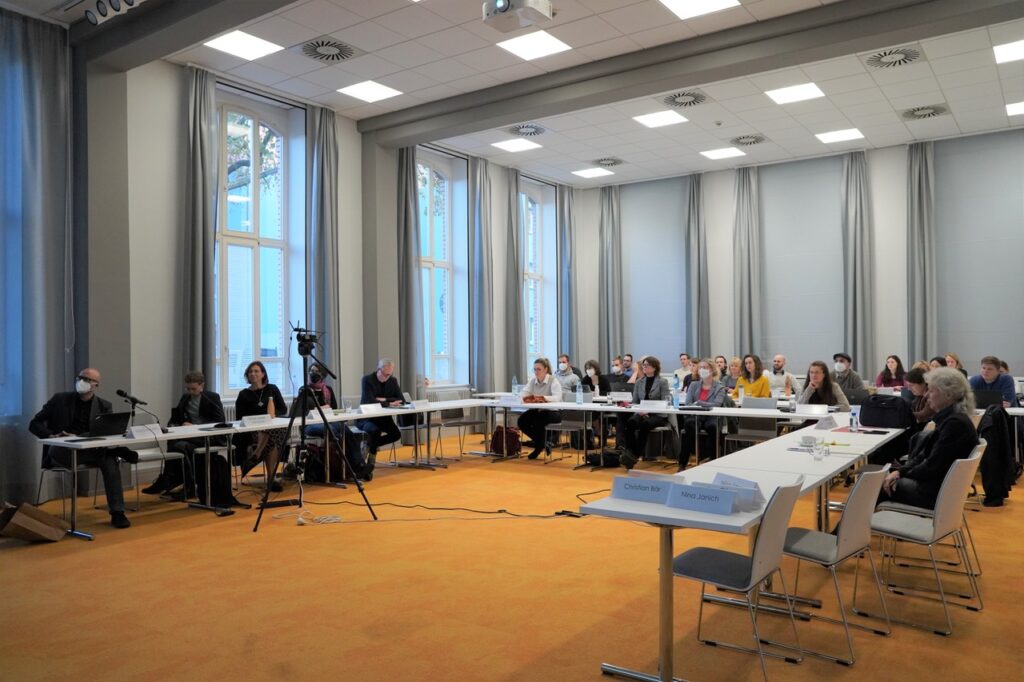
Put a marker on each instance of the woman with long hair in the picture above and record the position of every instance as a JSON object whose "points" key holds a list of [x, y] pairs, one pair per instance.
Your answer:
{"points": [[819, 389], [752, 380], [893, 375]]}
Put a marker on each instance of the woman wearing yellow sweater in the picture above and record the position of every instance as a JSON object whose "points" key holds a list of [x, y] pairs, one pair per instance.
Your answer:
{"points": [[752, 381]]}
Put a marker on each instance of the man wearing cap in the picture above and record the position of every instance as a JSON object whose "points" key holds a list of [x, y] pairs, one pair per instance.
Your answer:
{"points": [[846, 378]]}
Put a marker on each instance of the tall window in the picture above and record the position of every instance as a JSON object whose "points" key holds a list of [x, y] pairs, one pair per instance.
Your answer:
{"points": [[442, 221], [533, 272], [253, 274], [434, 199], [540, 267]]}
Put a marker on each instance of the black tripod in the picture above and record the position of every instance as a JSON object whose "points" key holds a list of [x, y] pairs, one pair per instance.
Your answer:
{"points": [[305, 349]]}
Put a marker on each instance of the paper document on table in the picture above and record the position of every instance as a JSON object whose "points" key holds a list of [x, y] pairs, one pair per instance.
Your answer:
{"points": [[826, 423]]}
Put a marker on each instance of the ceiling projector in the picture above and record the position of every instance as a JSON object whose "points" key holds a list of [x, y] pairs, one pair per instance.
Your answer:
{"points": [[509, 15]]}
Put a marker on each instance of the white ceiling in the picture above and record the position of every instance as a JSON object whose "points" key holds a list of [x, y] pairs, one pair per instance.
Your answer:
{"points": [[435, 49], [958, 71]]}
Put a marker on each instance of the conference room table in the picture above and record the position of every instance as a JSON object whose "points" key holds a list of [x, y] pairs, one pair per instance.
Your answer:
{"points": [[770, 464], [603, 408]]}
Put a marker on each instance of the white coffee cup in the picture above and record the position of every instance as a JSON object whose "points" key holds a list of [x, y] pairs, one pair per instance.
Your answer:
{"points": [[808, 441]]}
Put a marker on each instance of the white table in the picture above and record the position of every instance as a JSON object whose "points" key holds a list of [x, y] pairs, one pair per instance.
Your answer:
{"points": [[778, 466]]}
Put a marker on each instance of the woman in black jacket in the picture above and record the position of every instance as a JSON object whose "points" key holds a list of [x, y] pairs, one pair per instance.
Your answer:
{"points": [[260, 397], [918, 481]]}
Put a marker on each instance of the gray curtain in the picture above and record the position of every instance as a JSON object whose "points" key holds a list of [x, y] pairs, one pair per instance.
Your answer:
{"points": [[858, 256], [515, 326], [36, 259], [698, 305], [481, 278], [609, 311], [567, 320], [323, 266], [197, 333], [410, 301], [747, 263], [922, 327]]}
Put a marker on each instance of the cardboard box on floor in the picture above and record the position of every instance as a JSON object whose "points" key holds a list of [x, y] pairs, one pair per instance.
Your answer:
{"points": [[29, 523]]}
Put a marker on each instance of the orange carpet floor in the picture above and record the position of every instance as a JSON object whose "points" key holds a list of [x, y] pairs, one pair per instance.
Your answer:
{"points": [[438, 595]]}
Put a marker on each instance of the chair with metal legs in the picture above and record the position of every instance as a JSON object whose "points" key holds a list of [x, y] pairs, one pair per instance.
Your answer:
{"points": [[57, 469], [947, 522], [852, 540], [455, 419], [742, 573]]}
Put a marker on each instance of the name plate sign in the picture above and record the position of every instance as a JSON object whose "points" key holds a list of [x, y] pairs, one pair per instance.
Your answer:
{"points": [[748, 493], [256, 420], [417, 404], [640, 489], [370, 408], [314, 416], [712, 500], [144, 431], [828, 423], [510, 400]]}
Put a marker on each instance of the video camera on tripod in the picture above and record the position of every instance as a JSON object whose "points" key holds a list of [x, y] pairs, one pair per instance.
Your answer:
{"points": [[306, 339]]}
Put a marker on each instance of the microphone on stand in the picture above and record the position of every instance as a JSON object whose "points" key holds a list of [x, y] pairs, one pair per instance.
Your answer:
{"points": [[130, 398]]}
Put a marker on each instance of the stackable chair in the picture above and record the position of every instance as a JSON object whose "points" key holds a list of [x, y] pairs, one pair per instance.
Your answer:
{"points": [[742, 573], [456, 419], [946, 522], [852, 540], [572, 422]]}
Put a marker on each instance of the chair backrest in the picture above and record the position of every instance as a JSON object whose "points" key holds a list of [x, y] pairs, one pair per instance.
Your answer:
{"points": [[855, 529], [760, 403], [949, 505], [453, 413], [756, 426], [771, 535]]}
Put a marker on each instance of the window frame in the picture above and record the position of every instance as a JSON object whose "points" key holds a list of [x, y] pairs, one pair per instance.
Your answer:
{"points": [[439, 167], [529, 193], [225, 237]]}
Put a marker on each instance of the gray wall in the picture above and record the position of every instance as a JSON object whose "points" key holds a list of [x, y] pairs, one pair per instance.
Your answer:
{"points": [[654, 269], [802, 252], [979, 209]]}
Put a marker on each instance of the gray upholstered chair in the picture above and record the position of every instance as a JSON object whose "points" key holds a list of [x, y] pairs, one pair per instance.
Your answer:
{"points": [[946, 522], [742, 573], [851, 540]]}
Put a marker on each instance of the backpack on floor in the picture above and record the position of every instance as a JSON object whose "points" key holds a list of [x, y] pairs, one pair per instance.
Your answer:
{"points": [[506, 441]]}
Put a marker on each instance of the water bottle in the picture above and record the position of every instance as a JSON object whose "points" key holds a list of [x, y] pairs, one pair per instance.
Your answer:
{"points": [[579, 392], [515, 384], [675, 392], [854, 417], [739, 393]]}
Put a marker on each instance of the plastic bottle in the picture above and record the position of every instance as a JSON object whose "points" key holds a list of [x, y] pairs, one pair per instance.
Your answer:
{"points": [[579, 392], [739, 393], [854, 417], [675, 392], [515, 384]]}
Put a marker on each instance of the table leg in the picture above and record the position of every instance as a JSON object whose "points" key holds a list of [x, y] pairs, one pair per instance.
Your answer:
{"points": [[665, 625], [73, 531]]}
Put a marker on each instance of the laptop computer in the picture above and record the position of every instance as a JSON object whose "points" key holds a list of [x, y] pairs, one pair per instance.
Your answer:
{"points": [[110, 424], [856, 396], [985, 398]]}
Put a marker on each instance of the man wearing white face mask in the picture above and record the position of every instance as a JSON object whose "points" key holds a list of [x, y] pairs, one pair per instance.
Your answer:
{"points": [[568, 376], [846, 378], [70, 414], [617, 380]]}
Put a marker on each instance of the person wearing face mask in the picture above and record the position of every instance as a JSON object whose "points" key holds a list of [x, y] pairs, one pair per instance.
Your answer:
{"points": [[196, 406], [594, 380], [568, 376], [343, 435], [707, 391], [779, 378], [844, 377], [618, 380], [70, 414]]}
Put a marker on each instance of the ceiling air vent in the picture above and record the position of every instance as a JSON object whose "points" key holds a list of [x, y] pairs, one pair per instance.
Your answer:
{"points": [[527, 130], [921, 113], [893, 57], [747, 140], [686, 98], [608, 162], [328, 50]]}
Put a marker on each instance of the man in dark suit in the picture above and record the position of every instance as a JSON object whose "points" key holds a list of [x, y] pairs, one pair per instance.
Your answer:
{"points": [[380, 387], [70, 414], [196, 406]]}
